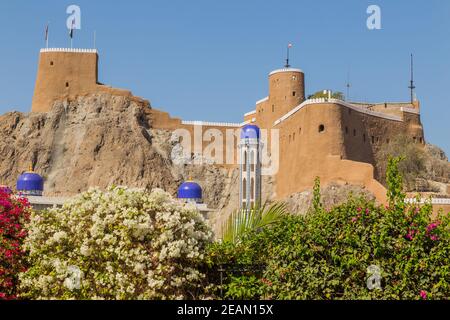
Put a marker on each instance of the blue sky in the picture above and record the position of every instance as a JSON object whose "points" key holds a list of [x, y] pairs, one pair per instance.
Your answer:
{"points": [[209, 60]]}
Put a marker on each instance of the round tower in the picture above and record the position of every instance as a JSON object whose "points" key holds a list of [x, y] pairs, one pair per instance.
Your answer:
{"points": [[286, 89], [250, 167]]}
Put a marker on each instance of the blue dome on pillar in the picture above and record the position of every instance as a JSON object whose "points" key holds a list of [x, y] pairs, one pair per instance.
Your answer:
{"points": [[190, 191], [250, 131], [30, 184]]}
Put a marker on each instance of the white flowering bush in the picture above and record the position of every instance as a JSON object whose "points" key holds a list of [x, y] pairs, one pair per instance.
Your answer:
{"points": [[119, 244]]}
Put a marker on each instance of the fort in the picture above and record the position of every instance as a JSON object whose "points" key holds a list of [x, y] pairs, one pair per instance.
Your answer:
{"points": [[328, 138]]}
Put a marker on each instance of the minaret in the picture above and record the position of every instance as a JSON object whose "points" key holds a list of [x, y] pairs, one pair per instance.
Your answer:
{"points": [[250, 167]]}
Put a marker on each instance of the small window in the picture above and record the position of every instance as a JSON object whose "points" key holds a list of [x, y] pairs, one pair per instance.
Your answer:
{"points": [[346, 130], [364, 137], [388, 141], [294, 94], [421, 140], [373, 139], [67, 84], [273, 108], [51, 63], [354, 132], [321, 128]]}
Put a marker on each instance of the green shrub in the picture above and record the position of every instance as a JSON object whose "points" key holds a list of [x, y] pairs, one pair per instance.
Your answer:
{"points": [[330, 254]]}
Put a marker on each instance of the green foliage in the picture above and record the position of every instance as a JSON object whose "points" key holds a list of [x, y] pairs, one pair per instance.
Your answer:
{"points": [[317, 197], [325, 255], [413, 164], [394, 180], [320, 94]]}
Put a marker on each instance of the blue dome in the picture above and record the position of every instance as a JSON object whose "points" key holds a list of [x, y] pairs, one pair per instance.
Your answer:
{"points": [[250, 131], [190, 190], [30, 183]]}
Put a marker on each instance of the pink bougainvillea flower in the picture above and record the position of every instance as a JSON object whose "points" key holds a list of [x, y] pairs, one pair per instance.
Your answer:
{"points": [[434, 238], [423, 294]]}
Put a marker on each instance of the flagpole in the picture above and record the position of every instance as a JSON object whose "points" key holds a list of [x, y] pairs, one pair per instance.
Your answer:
{"points": [[47, 32], [95, 39]]}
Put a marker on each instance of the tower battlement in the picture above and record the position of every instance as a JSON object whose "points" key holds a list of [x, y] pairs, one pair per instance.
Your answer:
{"points": [[69, 50], [65, 73]]}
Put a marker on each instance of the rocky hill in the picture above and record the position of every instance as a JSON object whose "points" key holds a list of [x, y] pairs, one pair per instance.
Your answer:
{"points": [[102, 139], [99, 140]]}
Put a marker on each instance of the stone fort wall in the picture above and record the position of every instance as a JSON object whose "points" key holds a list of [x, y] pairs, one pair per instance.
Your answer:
{"points": [[328, 138]]}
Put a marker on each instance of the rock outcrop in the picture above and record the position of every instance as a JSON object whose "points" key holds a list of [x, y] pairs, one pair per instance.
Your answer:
{"points": [[101, 140]]}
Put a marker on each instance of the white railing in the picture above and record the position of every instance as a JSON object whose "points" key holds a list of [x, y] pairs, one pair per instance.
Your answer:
{"points": [[69, 50], [409, 110], [285, 70], [435, 201], [250, 113], [261, 101], [214, 124], [340, 102]]}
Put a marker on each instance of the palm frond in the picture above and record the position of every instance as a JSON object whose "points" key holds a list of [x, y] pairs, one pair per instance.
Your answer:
{"points": [[243, 221]]}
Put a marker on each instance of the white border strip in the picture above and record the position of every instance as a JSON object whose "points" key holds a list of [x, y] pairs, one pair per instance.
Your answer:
{"points": [[433, 201], [285, 70], [409, 110], [261, 101], [214, 124], [336, 101], [250, 113], [68, 50]]}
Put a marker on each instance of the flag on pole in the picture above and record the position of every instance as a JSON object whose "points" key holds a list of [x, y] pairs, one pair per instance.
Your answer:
{"points": [[72, 29], [46, 33], [290, 45]]}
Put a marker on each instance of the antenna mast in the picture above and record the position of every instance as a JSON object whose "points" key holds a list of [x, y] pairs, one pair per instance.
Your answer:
{"points": [[412, 87], [348, 85]]}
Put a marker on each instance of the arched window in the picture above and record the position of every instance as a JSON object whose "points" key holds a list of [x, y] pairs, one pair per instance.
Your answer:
{"points": [[321, 128], [244, 189]]}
